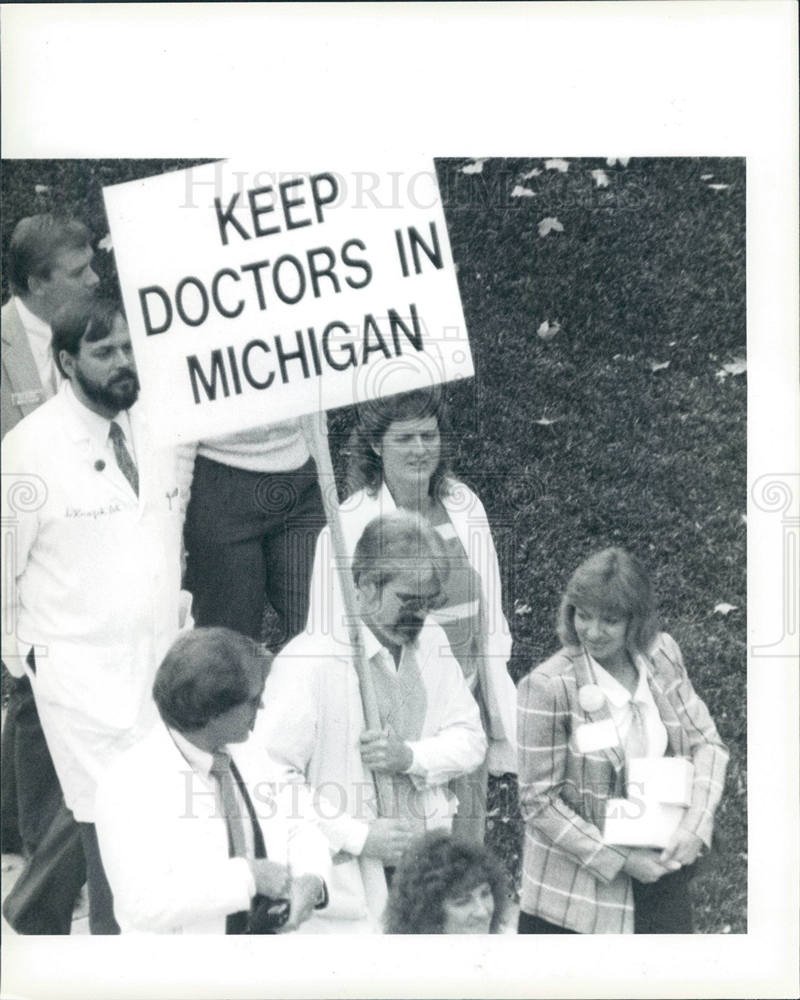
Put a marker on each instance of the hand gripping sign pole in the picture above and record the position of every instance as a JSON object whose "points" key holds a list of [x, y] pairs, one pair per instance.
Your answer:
{"points": [[315, 430], [254, 297]]}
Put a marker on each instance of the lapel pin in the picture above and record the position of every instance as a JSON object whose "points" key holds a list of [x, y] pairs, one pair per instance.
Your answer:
{"points": [[591, 698], [99, 465]]}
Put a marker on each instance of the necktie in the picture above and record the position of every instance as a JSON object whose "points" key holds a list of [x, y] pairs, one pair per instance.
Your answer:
{"points": [[221, 769], [636, 742], [231, 810], [124, 460]]}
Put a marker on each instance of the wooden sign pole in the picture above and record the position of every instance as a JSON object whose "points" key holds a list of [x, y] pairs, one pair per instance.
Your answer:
{"points": [[315, 429]]}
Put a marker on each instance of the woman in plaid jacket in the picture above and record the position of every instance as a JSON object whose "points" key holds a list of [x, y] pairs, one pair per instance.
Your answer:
{"points": [[618, 689]]}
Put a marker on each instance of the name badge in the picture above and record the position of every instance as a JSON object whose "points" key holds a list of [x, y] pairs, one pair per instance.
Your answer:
{"points": [[27, 397], [596, 736]]}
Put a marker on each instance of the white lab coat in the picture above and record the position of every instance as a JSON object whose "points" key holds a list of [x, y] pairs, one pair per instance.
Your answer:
{"points": [[96, 584]]}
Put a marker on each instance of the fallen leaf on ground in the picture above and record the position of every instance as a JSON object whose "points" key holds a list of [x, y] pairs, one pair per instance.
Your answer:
{"points": [[531, 173], [521, 609], [522, 192], [718, 187], [561, 165], [550, 224], [725, 609], [600, 178], [656, 366], [623, 161], [475, 167], [736, 367], [105, 243], [41, 189], [547, 421], [548, 330], [706, 177]]}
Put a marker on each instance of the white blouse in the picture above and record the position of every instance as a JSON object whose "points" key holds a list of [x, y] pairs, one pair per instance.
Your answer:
{"points": [[621, 702]]}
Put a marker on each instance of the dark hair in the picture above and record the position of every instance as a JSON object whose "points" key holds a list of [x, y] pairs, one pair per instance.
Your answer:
{"points": [[75, 322], [365, 467], [393, 543], [437, 867], [611, 582], [203, 675], [35, 242]]}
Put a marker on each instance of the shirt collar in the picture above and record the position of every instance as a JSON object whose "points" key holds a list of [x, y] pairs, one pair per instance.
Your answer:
{"points": [[33, 325], [200, 760], [374, 647], [96, 426], [616, 693]]}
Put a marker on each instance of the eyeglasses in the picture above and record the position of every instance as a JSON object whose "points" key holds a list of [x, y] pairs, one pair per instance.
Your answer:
{"points": [[422, 602]]}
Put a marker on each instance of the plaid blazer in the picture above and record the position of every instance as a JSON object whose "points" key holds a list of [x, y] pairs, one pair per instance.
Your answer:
{"points": [[570, 877]]}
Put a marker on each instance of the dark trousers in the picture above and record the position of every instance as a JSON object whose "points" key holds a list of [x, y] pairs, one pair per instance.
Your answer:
{"points": [[662, 907], [43, 897], [249, 535], [101, 902], [528, 924]]}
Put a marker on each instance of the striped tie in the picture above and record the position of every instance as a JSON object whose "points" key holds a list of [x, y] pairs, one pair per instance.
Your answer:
{"points": [[124, 460]]}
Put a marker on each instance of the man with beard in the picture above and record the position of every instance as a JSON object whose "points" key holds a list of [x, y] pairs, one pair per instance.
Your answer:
{"points": [[50, 263], [313, 723], [93, 552]]}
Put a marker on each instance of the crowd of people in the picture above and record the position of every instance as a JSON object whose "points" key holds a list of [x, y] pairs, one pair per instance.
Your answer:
{"points": [[202, 783]]}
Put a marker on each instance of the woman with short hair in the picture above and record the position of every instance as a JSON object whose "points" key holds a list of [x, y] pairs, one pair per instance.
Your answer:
{"points": [[617, 691]]}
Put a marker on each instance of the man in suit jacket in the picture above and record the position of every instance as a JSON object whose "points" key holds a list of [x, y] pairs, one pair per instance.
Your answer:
{"points": [[95, 551], [193, 830], [49, 264]]}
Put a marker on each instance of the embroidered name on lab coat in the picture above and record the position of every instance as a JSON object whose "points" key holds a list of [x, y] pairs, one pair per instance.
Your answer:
{"points": [[94, 512]]}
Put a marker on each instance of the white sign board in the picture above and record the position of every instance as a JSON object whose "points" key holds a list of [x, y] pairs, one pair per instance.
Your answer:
{"points": [[254, 296]]}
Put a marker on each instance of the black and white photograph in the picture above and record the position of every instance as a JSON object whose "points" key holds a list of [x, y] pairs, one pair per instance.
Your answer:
{"points": [[394, 543]]}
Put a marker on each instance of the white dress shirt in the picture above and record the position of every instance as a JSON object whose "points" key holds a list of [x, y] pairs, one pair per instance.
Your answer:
{"points": [[201, 763], [40, 338]]}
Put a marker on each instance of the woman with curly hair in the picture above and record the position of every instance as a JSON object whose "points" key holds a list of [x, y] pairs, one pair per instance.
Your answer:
{"points": [[398, 459], [617, 692], [444, 885]]}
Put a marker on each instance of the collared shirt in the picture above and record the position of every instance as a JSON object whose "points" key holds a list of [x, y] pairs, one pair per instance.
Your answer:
{"points": [[381, 659], [40, 338], [620, 703], [98, 427], [201, 763]]}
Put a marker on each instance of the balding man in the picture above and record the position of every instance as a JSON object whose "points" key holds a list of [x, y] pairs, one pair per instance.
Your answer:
{"points": [[430, 732]]}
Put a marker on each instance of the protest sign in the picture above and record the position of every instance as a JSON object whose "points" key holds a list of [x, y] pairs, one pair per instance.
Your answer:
{"points": [[254, 296]]}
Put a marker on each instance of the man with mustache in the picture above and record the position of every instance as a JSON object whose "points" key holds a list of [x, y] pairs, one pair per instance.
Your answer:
{"points": [[430, 733], [93, 552], [50, 263]]}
